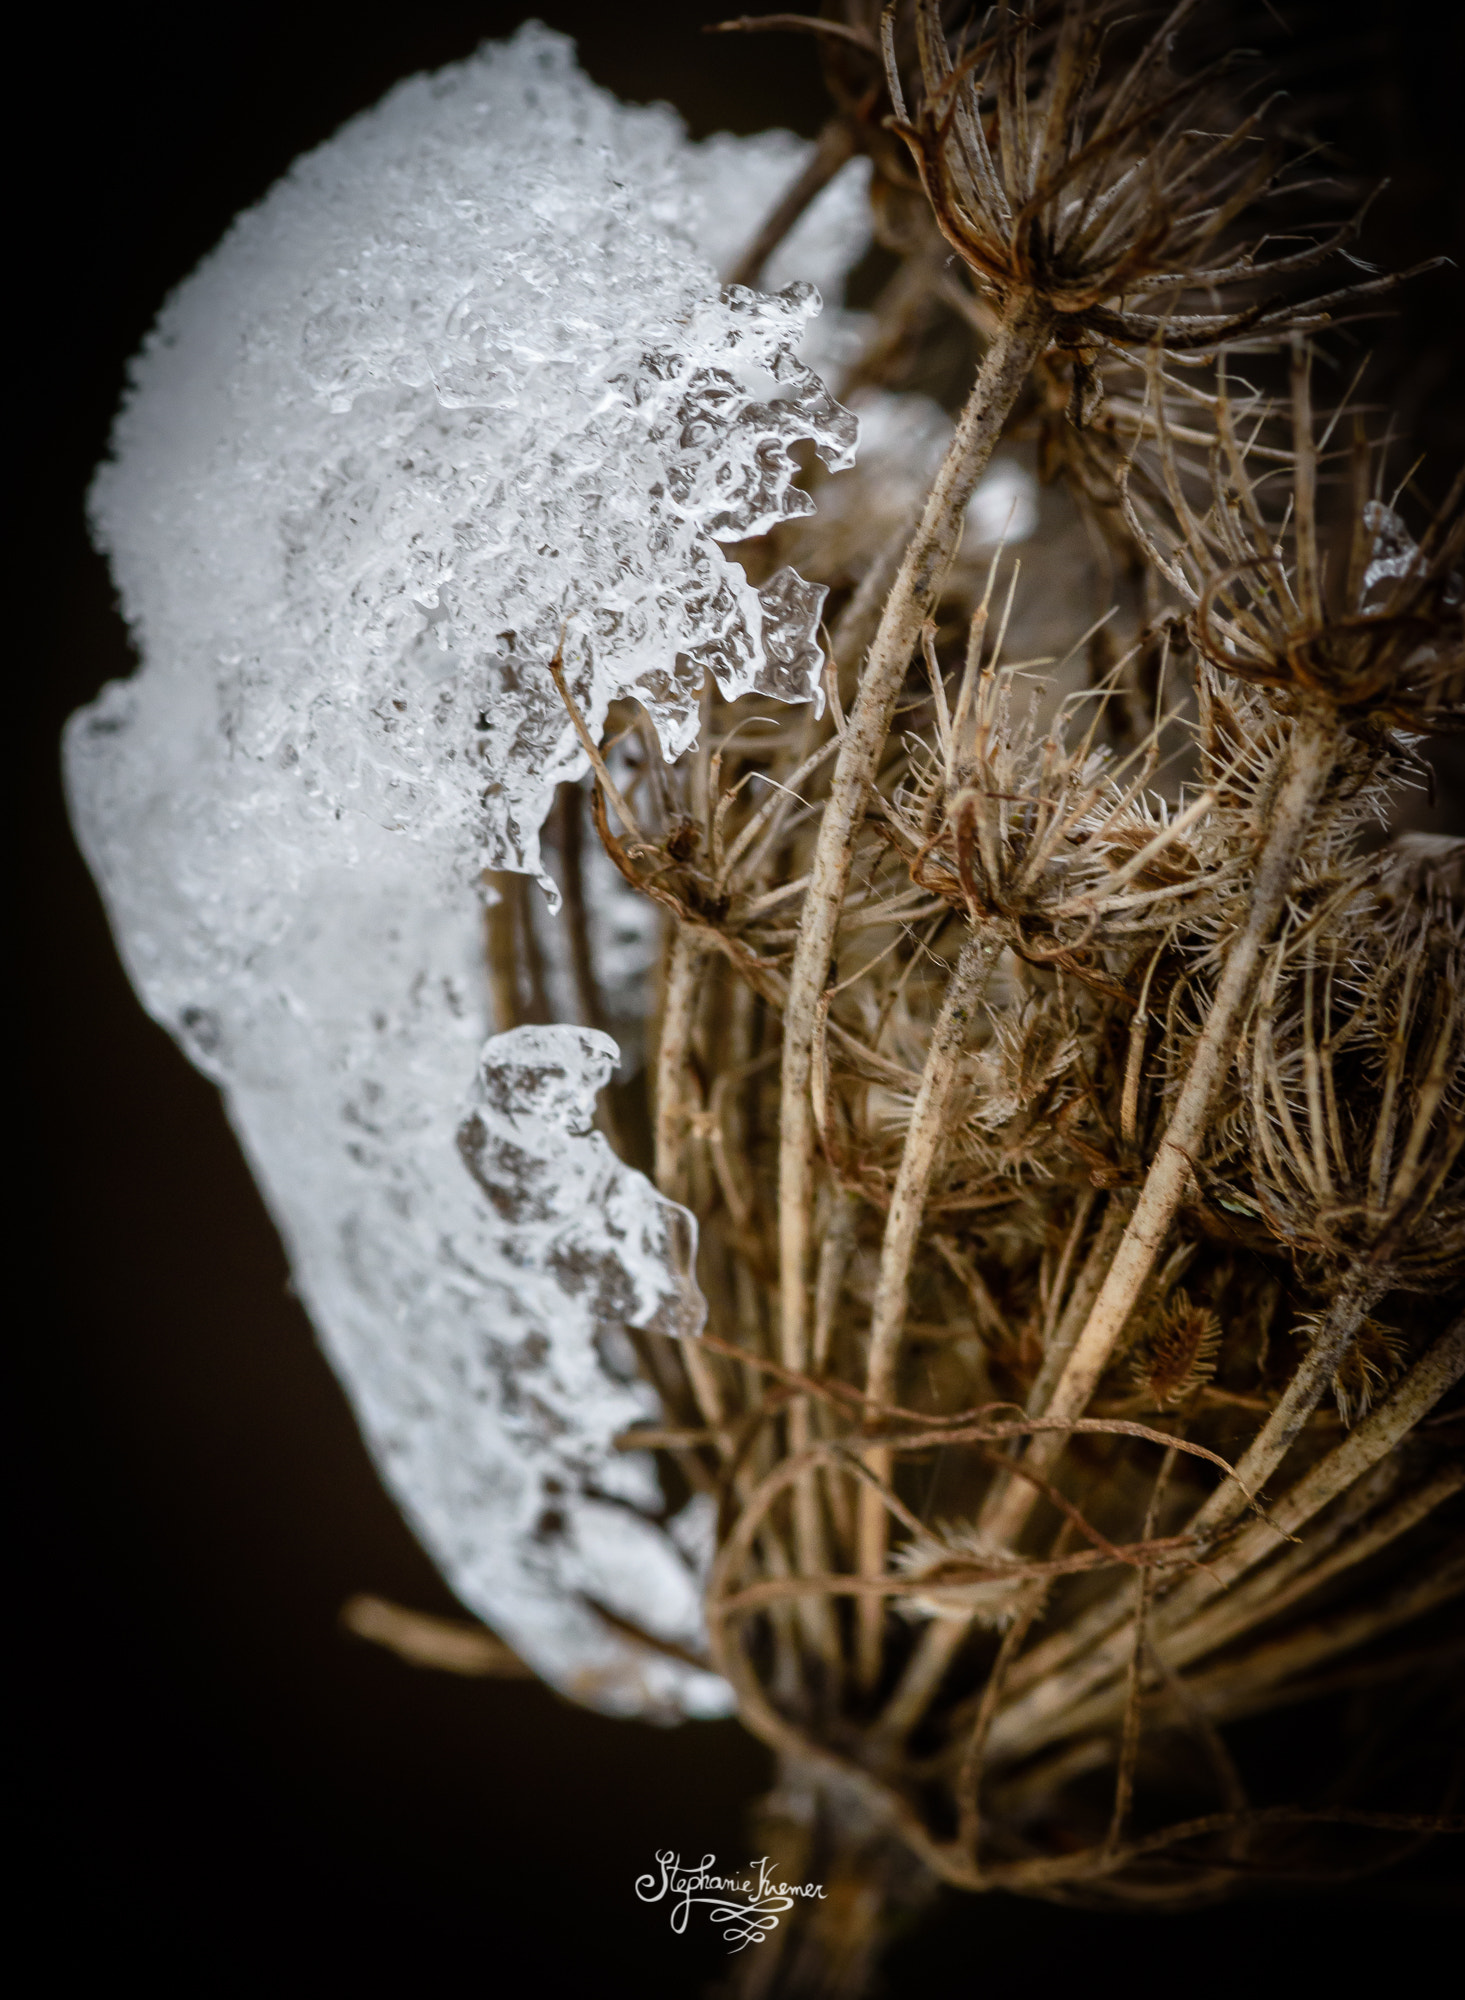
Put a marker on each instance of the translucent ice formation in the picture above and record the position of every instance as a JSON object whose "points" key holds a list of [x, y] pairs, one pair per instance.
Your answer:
{"points": [[456, 382], [731, 179], [464, 380]]}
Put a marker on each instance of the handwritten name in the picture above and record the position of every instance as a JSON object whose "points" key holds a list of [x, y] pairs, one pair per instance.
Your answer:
{"points": [[748, 1905]]}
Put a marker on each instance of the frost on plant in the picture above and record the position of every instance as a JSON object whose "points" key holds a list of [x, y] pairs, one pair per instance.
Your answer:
{"points": [[459, 379], [464, 380]]}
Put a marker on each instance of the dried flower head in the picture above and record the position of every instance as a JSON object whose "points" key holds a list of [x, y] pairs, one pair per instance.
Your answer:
{"points": [[1370, 1368], [1355, 1107], [1177, 1352], [1102, 190], [1379, 633], [1039, 832]]}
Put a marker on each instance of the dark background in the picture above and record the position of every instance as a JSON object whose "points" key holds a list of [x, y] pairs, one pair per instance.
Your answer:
{"points": [[222, 1792]]}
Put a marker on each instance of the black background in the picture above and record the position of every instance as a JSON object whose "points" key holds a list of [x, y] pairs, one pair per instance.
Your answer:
{"points": [[224, 1794]]}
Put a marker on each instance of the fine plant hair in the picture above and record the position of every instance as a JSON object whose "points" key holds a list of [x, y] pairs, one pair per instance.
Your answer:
{"points": [[1063, 1070]]}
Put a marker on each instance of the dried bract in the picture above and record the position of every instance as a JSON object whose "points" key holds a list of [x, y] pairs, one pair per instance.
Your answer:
{"points": [[1178, 1352], [1098, 187], [1378, 636]]}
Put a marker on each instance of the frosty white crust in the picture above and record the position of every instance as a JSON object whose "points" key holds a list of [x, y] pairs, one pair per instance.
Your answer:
{"points": [[463, 375]]}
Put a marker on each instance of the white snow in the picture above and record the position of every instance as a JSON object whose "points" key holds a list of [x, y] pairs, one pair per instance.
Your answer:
{"points": [[464, 377]]}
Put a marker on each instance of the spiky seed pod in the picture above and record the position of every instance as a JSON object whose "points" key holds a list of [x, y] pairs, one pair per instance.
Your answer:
{"points": [[1355, 1113], [1177, 1352], [1053, 842], [1369, 1370], [1097, 190], [1377, 640]]}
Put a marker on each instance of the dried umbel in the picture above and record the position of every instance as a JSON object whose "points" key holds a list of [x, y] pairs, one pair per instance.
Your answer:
{"points": [[1060, 1135], [1355, 1123], [1101, 188], [1380, 640]]}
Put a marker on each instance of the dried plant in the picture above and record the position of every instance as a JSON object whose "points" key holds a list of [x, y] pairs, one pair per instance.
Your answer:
{"points": [[1062, 1071], [976, 1036]]}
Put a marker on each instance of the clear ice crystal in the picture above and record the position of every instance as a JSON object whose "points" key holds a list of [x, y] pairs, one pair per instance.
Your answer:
{"points": [[576, 1249], [464, 377], [460, 380], [1394, 552]]}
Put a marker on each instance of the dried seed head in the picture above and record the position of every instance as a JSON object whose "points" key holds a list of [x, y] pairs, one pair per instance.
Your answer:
{"points": [[1096, 187], [1370, 1367], [1039, 833], [1031, 1047], [1356, 1099], [1177, 1352], [1377, 634]]}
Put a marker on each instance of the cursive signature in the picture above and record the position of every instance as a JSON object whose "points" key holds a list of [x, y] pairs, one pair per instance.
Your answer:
{"points": [[748, 1905]]}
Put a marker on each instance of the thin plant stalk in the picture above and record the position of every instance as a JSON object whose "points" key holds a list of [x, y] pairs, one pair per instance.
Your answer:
{"points": [[1350, 1307], [673, 1055], [925, 1137], [1279, 1659], [1270, 1593], [1049, 1708], [1019, 341]]}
